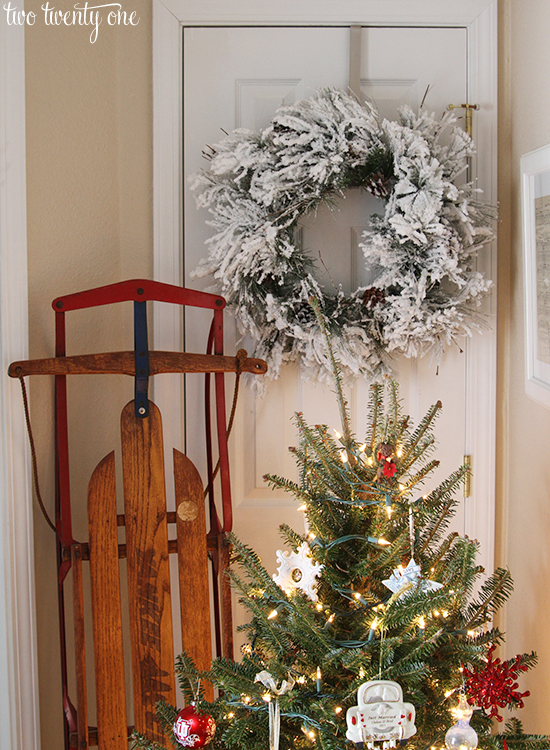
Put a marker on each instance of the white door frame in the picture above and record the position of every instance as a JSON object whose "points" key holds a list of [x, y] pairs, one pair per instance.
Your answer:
{"points": [[19, 717], [479, 17]]}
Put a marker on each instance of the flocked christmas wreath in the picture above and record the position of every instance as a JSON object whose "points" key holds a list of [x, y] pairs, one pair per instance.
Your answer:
{"points": [[422, 250]]}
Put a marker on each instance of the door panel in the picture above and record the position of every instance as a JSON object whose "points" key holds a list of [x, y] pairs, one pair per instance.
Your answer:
{"points": [[236, 77]]}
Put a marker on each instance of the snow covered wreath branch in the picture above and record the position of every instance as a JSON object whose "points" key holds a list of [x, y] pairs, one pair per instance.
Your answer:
{"points": [[421, 253]]}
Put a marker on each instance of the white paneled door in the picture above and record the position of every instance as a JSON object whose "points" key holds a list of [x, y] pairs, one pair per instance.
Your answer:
{"points": [[236, 77]]}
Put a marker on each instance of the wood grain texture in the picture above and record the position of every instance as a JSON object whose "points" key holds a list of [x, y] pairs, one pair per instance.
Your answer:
{"points": [[123, 363], [80, 649], [106, 609], [193, 564], [148, 567]]}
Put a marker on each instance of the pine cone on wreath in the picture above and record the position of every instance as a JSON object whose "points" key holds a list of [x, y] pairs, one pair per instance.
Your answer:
{"points": [[373, 296], [303, 314], [270, 283], [378, 185]]}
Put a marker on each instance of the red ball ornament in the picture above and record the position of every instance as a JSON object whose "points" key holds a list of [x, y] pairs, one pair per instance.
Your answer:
{"points": [[192, 729]]}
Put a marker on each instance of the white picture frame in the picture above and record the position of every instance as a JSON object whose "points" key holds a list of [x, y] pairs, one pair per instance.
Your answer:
{"points": [[535, 199]]}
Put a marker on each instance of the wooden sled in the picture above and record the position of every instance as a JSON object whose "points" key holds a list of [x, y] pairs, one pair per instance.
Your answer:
{"points": [[148, 542]]}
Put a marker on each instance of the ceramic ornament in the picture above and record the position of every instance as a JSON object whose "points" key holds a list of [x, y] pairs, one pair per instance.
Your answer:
{"points": [[381, 716], [410, 579], [298, 570]]}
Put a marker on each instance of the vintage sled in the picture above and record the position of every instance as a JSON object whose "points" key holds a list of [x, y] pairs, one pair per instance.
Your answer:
{"points": [[147, 542]]}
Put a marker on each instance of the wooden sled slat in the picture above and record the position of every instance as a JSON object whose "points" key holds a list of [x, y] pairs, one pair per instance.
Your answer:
{"points": [[80, 648], [148, 567], [106, 608], [193, 565], [123, 363]]}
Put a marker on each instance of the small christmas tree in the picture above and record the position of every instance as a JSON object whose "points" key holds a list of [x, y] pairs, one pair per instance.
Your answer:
{"points": [[376, 589]]}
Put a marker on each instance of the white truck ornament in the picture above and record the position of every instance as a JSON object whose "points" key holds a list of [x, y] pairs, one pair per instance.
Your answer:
{"points": [[380, 716]]}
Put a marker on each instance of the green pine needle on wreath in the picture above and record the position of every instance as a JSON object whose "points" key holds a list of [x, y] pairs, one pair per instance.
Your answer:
{"points": [[375, 175]]}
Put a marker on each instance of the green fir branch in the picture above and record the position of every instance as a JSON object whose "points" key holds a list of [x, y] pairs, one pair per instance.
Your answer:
{"points": [[286, 485], [515, 738], [190, 679], [291, 537], [166, 716], [375, 410], [140, 741], [425, 426], [438, 558], [494, 592], [394, 422], [442, 498], [421, 475], [249, 561], [336, 373]]}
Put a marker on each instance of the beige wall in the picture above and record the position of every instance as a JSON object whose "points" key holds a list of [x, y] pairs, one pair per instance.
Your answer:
{"points": [[89, 180], [89, 158], [524, 430]]}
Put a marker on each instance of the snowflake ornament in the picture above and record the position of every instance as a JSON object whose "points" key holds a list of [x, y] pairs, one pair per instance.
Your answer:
{"points": [[494, 685], [298, 570], [404, 577]]}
